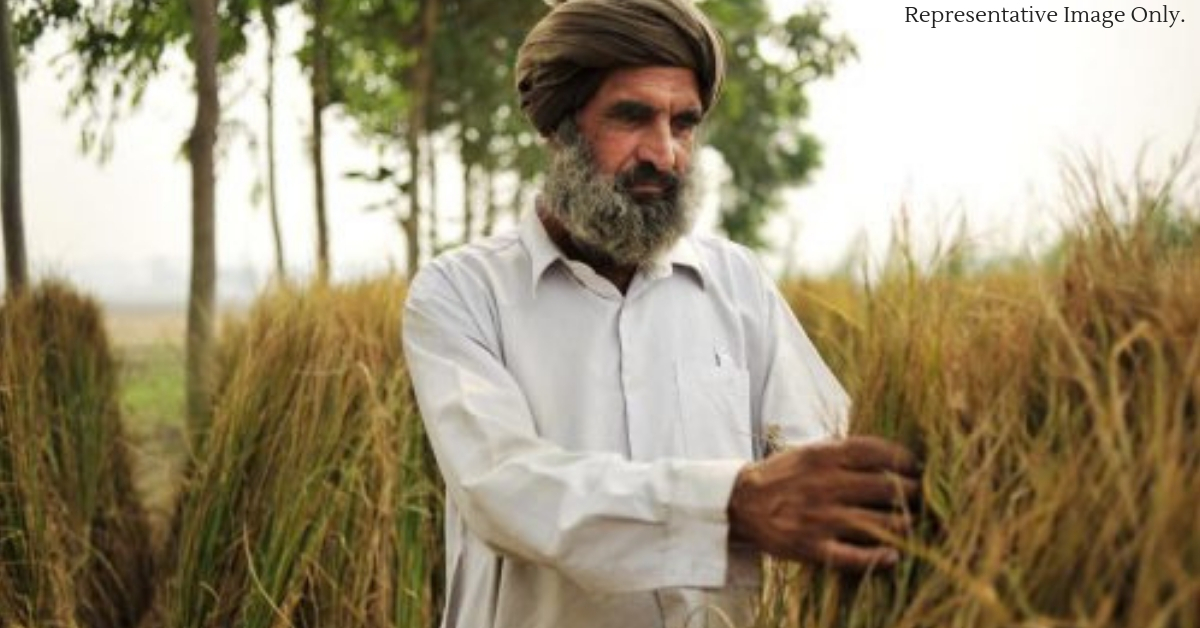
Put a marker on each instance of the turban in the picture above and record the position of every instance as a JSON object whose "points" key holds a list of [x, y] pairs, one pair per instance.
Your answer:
{"points": [[566, 56]]}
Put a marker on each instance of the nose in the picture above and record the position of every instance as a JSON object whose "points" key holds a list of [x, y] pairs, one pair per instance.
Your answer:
{"points": [[657, 146]]}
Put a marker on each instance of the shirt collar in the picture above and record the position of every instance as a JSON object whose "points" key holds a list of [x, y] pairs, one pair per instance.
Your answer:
{"points": [[543, 252], [683, 254]]}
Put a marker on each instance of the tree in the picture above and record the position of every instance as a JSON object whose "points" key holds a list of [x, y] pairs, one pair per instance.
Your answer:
{"points": [[376, 51], [201, 144], [758, 126], [271, 27], [15, 265], [117, 49], [320, 83], [421, 81], [474, 101]]}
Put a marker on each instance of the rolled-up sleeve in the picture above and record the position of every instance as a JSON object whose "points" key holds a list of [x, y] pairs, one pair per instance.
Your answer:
{"points": [[608, 523]]}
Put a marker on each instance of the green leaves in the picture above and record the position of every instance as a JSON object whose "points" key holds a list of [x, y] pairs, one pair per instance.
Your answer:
{"points": [[758, 127], [117, 48]]}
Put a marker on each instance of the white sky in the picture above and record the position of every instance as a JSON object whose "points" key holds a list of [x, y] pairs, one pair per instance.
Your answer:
{"points": [[969, 119]]}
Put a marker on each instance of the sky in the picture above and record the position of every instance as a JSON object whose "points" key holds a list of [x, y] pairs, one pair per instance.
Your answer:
{"points": [[959, 124]]}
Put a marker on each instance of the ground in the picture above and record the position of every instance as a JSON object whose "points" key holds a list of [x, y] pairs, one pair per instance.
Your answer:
{"points": [[149, 344]]}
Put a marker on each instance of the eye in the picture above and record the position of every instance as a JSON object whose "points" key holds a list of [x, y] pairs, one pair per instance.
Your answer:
{"points": [[685, 123]]}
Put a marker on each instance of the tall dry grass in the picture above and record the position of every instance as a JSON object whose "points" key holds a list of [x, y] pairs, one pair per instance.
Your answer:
{"points": [[1058, 414], [74, 543], [313, 500], [1056, 407]]}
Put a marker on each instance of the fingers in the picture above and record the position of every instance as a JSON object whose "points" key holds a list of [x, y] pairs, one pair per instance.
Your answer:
{"points": [[862, 526], [863, 539], [848, 539], [842, 503], [876, 490], [855, 558], [870, 453]]}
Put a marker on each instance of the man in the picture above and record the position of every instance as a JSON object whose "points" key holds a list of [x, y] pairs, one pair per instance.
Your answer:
{"points": [[600, 386]]}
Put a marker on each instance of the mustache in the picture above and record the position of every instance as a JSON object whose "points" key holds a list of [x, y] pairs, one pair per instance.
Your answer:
{"points": [[646, 173]]}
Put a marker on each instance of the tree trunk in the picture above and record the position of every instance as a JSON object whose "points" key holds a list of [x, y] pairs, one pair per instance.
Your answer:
{"points": [[519, 200], [320, 100], [422, 79], [412, 222], [489, 216], [431, 175], [468, 202], [202, 296], [268, 9], [15, 265]]}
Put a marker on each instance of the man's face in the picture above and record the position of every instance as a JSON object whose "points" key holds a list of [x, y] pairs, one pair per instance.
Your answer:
{"points": [[619, 181], [642, 115]]}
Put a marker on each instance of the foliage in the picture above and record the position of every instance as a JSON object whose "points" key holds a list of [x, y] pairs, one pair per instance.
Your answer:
{"points": [[73, 538], [1057, 414], [475, 88], [1055, 407], [372, 51], [758, 127], [117, 49], [312, 501]]}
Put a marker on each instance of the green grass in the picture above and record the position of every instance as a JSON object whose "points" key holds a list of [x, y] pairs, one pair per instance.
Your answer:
{"points": [[151, 395], [152, 387]]}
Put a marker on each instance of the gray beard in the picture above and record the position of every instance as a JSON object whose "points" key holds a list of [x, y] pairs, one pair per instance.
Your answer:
{"points": [[603, 217]]}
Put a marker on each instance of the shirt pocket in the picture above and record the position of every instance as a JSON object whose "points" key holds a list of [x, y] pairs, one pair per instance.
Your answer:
{"points": [[714, 405]]}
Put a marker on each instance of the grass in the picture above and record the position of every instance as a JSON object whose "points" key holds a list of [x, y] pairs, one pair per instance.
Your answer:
{"points": [[152, 391], [73, 538], [152, 406], [1056, 404], [312, 501], [1057, 409]]}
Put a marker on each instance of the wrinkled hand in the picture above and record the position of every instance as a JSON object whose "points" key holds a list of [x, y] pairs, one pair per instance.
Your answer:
{"points": [[826, 503]]}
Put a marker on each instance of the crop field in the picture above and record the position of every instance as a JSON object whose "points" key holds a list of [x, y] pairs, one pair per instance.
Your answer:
{"points": [[1055, 403], [152, 407]]}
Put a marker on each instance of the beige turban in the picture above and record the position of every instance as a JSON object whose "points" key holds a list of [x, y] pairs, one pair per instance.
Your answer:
{"points": [[566, 55]]}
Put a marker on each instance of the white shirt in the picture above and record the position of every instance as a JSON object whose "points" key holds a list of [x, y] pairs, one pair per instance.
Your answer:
{"points": [[589, 440]]}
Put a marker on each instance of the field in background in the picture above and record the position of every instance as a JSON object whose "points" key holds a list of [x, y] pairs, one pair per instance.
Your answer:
{"points": [[133, 326], [148, 343], [152, 406]]}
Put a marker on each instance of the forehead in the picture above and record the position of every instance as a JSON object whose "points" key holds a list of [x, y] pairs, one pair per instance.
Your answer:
{"points": [[669, 87]]}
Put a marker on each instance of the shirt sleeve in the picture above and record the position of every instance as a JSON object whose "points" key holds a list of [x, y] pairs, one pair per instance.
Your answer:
{"points": [[607, 523], [800, 399]]}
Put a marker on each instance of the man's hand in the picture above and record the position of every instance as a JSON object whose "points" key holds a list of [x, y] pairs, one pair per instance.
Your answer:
{"points": [[826, 503]]}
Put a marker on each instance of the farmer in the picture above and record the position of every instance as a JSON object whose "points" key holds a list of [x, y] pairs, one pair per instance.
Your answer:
{"points": [[627, 415]]}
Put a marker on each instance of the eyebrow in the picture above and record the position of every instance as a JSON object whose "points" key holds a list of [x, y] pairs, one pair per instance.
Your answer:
{"points": [[630, 111], [634, 111]]}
